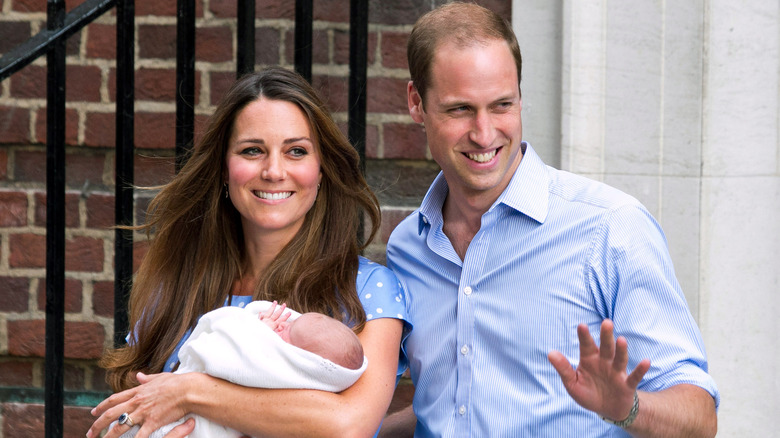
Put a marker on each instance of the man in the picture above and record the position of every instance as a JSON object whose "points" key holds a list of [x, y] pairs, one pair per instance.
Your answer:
{"points": [[512, 268]]}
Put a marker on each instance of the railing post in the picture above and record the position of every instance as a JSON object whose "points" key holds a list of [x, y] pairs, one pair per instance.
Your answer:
{"points": [[304, 18], [245, 34], [185, 79], [358, 81], [123, 207], [55, 224]]}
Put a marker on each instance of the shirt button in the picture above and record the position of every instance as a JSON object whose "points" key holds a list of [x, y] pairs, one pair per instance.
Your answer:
{"points": [[462, 410], [464, 349], [425, 220], [467, 290]]}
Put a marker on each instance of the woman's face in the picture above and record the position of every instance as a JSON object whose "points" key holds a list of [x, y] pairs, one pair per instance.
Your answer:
{"points": [[273, 168]]}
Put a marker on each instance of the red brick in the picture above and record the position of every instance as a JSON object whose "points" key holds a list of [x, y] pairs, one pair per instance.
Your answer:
{"points": [[74, 378], [139, 252], [28, 6], [341, 47], [167, 8], [71, 126], [13, 209], [391, 219], [27, 250], [13, 33], [319, 50], [201, 123], [387, 95], [153, 171], [30, 166], [404, 140], [26, 420], [14, 294], [372, 141], [100, 129], [263, 9], [99, 380], [289, 53], [84, 254], [334, 90], [71, 209], [399, 12], [16, 373], [331, 10], [14, 125], [103, 298], [220, 84], [100, 211], [82, 83], [73, 295], [214, 44], [3, 164], [156, 41], [83, 170], [155, 84], [83, 340], [160, 130], [394, 50], [267, 43], [101, 40], [29, 83], [73, 45]]}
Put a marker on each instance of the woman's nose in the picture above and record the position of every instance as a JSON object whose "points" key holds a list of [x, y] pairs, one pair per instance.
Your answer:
{"points": [[273, 169]]}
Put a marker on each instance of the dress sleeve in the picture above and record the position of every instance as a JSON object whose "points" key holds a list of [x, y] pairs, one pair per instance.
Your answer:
{"points": [[382, 296]]}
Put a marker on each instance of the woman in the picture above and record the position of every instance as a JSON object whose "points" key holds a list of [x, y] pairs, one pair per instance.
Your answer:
{"points": [[267, 208]]}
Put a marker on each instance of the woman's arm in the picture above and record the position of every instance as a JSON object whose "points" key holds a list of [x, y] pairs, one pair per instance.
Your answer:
{"points": [[357, 411]]}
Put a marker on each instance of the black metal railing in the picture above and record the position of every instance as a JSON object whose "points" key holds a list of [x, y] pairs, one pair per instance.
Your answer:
{"points": [[51, 42]]}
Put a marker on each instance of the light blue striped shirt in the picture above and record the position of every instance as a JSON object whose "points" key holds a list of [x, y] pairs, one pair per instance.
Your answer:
{"points": [[554, 250]]}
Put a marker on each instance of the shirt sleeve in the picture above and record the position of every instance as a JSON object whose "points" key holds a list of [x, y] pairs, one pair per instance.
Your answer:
{"points": [[633, 281]]}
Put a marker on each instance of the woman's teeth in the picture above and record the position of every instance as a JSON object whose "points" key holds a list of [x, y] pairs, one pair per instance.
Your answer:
{"points": [[273, 196], [483, 158]]}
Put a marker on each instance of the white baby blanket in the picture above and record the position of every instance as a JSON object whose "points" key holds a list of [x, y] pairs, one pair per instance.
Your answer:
{"points": [[231, 343]]}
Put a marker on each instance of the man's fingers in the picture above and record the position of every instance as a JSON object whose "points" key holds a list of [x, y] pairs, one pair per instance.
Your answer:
{"points": [[607, 340], [587, 344], [639, 372], [621, 354], [562, 366]]}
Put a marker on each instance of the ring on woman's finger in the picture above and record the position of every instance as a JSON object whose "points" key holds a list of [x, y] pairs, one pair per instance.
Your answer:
{"points": [[125, 419]]}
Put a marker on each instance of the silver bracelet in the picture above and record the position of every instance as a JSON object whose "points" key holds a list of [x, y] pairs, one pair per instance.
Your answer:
{"points": [[631, 415]]}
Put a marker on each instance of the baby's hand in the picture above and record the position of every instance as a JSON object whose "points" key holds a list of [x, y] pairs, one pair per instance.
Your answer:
{"points": [[275, 316]]}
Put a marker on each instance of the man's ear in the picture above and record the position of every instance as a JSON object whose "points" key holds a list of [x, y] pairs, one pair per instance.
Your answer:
{"points": [[414, 100]]}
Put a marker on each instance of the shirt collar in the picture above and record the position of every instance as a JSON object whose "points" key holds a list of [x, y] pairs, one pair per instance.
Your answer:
{"points": [[527, 192]]}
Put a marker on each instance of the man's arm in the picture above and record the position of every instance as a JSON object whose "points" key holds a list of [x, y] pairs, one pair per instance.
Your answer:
{"points": [[600, 384]]}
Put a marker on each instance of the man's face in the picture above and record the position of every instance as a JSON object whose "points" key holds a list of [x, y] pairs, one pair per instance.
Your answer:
{"points": [[472, 118]]}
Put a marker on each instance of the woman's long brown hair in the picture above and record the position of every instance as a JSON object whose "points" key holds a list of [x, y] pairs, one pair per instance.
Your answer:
{"points": [[196, 241]]}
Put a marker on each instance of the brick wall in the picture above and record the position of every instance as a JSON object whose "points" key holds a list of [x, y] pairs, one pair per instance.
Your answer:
{"points": [[398, 164]]}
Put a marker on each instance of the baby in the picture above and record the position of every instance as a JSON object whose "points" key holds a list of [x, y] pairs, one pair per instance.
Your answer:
{"points": [[265, 345], [317, 333]]}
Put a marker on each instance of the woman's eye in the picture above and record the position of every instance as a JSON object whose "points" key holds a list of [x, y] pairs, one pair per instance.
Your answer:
{"points": [[298, 151], [250, 151]]}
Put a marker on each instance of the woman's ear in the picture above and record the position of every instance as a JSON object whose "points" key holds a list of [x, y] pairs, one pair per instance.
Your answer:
{"points": [[414, 100]]}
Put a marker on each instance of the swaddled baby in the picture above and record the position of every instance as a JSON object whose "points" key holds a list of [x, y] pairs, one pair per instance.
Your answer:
{"points": [[268, 346]]}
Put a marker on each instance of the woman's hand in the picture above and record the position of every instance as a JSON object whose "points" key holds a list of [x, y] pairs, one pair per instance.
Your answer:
{"points": [[157, 401]]}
